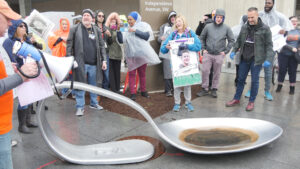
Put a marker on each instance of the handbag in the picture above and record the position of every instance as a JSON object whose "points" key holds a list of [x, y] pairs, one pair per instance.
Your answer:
{"points": [[297, 55]]}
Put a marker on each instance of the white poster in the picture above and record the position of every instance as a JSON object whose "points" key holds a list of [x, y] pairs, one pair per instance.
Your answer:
{"points": [[39, 24], [278, 39], [184, 63], [34, 90]]}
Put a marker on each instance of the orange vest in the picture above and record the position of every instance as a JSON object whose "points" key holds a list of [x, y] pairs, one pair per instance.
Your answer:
{"points": [[6, 104]]}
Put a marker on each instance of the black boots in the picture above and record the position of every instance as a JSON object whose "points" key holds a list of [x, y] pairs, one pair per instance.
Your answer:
{"points": [[278, 88], [22, 114], [292, 90], [145, 94], [29, 120], [31, 109], [25, 120], [133, 97]]}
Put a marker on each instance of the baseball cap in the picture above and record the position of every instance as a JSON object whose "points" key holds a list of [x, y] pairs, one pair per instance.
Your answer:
{"points": [[7, 11]]}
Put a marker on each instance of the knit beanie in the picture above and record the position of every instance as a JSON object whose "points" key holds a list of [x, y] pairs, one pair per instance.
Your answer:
{"points": [[88, 11]]}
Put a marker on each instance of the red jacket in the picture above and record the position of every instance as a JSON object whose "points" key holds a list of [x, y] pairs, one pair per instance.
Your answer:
{"points": [[59, 49]]}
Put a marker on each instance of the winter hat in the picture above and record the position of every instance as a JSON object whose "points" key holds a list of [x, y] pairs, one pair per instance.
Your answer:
{"points": [[245, 18], [172, 13], [88, 11], [134, 15], [220, 12]]}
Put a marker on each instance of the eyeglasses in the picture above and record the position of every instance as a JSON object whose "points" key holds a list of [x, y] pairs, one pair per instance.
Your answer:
{"points": [[101, 16], [22, 26]]}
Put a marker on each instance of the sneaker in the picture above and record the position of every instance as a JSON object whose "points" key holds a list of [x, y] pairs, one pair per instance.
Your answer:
{"points": [[268, 96], [250, 106], [145, 94], [97, 106], [202, 93], [79, 112], [133, 97], [190, 107], [176, 107], [169, 94], [214, 93], [247, 95], [14, 143], [232, 103]]}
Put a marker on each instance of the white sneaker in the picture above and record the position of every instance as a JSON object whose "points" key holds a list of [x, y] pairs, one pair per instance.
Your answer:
{"points": [[97, 106], [14, 143], [79, 112]]}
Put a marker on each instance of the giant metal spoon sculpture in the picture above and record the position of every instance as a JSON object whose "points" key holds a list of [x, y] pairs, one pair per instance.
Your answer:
{"points": [[131, 151]]}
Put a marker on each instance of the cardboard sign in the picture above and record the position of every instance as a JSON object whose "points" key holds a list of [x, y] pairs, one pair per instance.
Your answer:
{"points": [[185, 69]]}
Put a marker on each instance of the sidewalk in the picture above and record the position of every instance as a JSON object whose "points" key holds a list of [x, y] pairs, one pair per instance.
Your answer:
{"points": [[103, 126]]}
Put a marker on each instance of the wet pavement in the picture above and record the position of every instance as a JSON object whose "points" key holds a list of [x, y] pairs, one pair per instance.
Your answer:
{"points": [[104, 126]]}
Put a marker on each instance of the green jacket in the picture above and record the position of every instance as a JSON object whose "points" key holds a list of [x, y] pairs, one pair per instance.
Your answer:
{"points": [[263, 45], [114, 48]]}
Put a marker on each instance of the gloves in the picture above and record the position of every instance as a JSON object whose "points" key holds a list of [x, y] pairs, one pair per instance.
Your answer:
{"points": [[232, 54], [75, 64], [266, 64]]}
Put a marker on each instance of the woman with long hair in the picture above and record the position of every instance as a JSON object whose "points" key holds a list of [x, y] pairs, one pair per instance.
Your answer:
{"points": [[19, 32], [182, 31]]}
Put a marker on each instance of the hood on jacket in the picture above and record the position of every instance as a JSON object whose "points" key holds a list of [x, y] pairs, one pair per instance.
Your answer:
{"points": [[112, 16], [60, 24], [220, 12], [13, 28], [172, 13], [258, 25], [273, 8]]}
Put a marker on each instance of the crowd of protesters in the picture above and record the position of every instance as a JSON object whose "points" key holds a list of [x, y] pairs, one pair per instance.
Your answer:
{"points": [[99, 44]]}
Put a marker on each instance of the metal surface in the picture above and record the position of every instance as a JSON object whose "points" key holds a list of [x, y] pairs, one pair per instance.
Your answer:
{"points": [[266, 131], [117, 152], [169, 132]]}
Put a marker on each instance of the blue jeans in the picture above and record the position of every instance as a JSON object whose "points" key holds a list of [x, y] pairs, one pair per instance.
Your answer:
{"points": [[244, 68], [5, 152], [64, 90], [90, 70], [105, 82], [268, 77], [22, 107]]}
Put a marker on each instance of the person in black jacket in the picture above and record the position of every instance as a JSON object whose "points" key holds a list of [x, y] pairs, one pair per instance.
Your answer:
{"points": [[85, 43], [100, 20], [206, 20]]}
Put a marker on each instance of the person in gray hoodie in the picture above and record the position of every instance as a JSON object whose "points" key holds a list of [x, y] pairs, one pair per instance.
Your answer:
{"points": [[164, 31], [213, 38]]}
